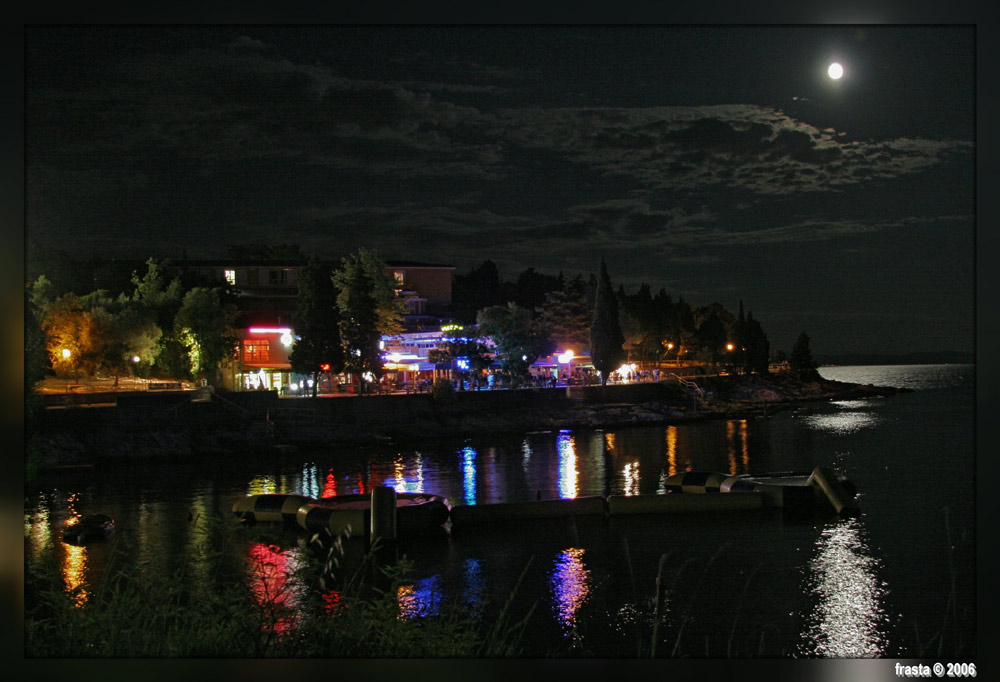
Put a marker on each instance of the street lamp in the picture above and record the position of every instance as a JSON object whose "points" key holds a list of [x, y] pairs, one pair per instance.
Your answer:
{"points": [[66, 356]]}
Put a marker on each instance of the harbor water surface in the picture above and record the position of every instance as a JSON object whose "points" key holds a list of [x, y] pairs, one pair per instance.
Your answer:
{"points": [[896, 582]]}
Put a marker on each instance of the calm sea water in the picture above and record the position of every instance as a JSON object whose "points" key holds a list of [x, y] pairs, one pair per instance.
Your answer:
{"points": [[897, 582]]}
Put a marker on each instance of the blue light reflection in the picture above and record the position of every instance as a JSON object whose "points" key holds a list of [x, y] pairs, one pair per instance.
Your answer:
{"points": [[421, 599], [469, 473]]}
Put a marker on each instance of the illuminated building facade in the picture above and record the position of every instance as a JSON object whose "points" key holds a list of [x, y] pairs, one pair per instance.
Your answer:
{"points": [[267, 297]]}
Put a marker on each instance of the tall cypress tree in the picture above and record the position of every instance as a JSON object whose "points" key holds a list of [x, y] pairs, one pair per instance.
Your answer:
{"points": [[802, 359], [606, 338], [317, 325]]}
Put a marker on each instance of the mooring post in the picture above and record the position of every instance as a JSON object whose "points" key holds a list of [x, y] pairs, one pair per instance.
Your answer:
{"points": [[383, 517]]}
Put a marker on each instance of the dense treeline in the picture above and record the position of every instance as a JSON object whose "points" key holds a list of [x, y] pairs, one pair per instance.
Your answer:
{"points": [[655, 327], [155, 326], [147, 325]]}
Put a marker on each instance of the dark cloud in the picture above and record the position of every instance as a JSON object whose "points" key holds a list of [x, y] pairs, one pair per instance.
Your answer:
{"points": [[532, 146]]}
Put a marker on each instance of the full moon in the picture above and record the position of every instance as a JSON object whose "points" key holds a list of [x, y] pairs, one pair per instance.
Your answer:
{"points": [[835, 71]]}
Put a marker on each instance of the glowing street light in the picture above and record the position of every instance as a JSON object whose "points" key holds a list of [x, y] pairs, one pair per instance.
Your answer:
{"points": [[66, 353]]}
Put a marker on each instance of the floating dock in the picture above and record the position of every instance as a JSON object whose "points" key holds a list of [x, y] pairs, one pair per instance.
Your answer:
{"points": [[384, 512]]}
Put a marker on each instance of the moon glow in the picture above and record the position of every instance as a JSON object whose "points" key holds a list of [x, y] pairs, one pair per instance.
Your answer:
{"points": [[835, 71]]}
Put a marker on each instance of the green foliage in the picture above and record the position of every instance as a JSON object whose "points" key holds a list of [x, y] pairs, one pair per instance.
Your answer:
{"points": [[480, 289], [206, 326], [531, 288], [566, 314], [317, 324], [71, 338], [517, 337], [711, 337], [472, 349], [606, 338], [159, 300], [358, 284]]}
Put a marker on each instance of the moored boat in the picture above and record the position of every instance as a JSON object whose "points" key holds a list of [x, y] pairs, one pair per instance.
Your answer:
{"points": [[88, 529], [415, 512]]}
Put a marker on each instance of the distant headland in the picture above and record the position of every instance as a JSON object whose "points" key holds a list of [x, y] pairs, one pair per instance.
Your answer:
{"points": [[924, 358]]}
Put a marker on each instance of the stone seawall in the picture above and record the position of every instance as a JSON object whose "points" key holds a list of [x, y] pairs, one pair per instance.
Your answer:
{"points": [[194, 423]]}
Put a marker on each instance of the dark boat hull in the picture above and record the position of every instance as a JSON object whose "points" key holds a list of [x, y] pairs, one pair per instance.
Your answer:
{"points": [[89, 529]]}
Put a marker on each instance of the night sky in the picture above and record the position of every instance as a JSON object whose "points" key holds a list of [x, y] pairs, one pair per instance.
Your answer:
{"points": [[718, 162]]}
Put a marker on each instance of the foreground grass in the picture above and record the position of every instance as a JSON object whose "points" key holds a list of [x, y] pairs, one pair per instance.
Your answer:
{"points": [[318, 614]]}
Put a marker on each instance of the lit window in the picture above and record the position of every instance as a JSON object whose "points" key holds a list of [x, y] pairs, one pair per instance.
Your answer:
{"points": [[398, 274], [230, 276], [255, 350]]}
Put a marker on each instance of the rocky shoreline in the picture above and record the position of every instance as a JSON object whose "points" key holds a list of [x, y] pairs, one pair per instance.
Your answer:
{"points": [[85, 442], [722, 398]]}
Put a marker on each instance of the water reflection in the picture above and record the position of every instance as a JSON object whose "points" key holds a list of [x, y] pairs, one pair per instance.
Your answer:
{"points": [[738, 446], [526, 453], [468, 454], [74, 571], [852, 419], [270, 570], [310, 480], [569, 475], [330, 484], [421, 599], [262, 485], [37, 527], [473, 583], [671, 440], [631, 475], [407, 482], [570, 585], [848, 621]]}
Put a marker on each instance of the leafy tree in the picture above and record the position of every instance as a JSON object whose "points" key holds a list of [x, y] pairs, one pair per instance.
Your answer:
{"points": [[71, 337], [137, 337], [531, 287], [481, 288], [711, 336], [317, 325], [566, 315], [517, 337], [206, 327], [472, 349], [41, 293], [160, 300], [606, 338], [368, 309], [802, 360]]}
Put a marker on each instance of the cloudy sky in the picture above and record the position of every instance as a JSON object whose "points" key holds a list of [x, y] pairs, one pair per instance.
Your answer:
{"points": [[718, 162]]}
